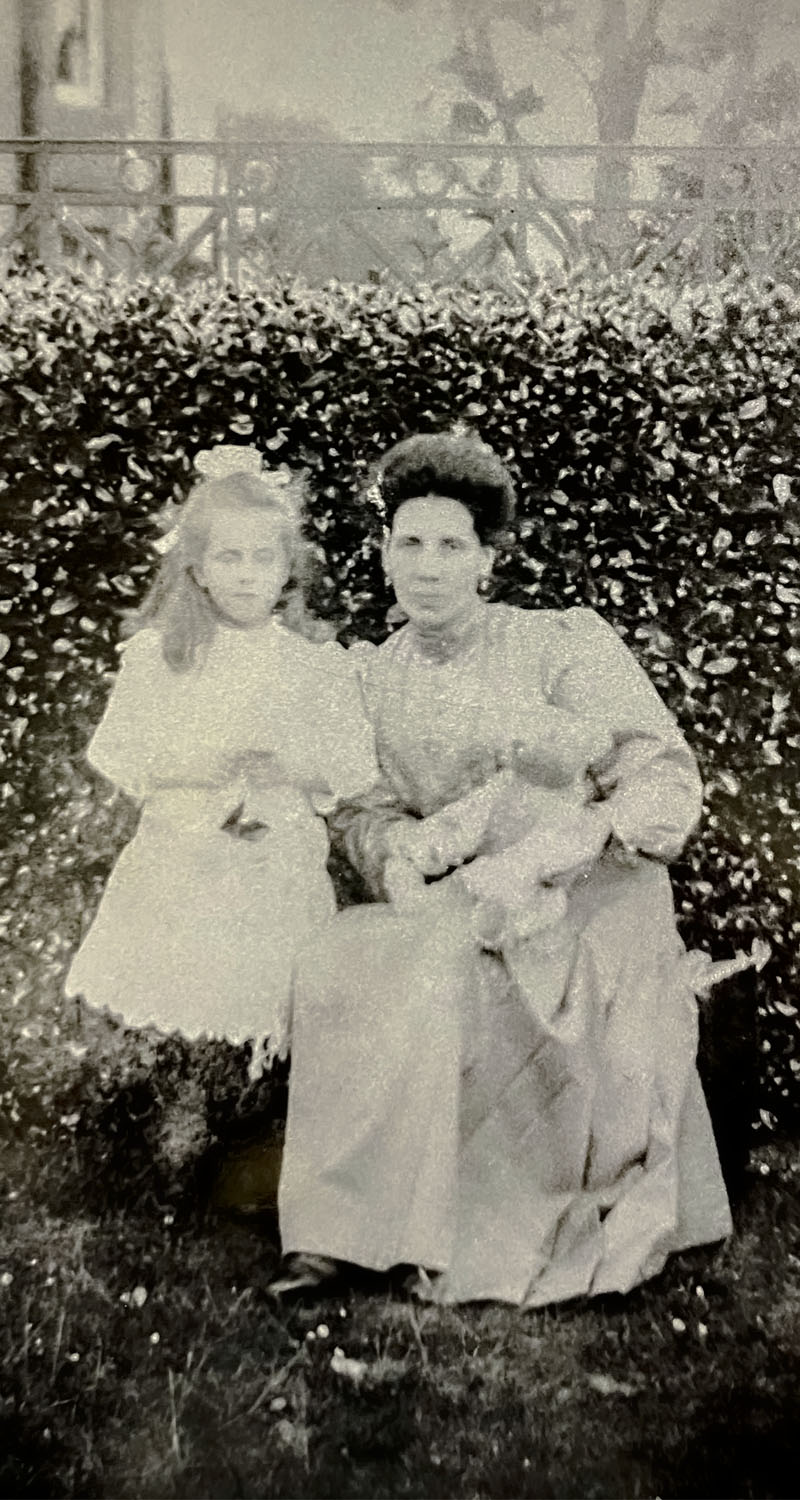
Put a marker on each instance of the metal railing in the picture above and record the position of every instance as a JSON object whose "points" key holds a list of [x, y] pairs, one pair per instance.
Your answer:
{"points": [[240, 210]]}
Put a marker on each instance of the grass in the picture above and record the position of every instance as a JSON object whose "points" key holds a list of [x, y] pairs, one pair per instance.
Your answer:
{"points": [[141, 1356]]}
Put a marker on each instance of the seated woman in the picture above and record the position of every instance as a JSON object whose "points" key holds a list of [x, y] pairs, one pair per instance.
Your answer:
{"points": [[510, 1105]]}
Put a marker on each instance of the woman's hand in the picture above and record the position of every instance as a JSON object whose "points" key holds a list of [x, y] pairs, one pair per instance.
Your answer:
{"points": [[562, 750], [405, 840], [544, 762], [561, 851], [404, 884]]}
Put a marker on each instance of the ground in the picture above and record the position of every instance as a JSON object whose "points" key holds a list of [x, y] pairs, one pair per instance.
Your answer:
{"points": [[142, 1357]]}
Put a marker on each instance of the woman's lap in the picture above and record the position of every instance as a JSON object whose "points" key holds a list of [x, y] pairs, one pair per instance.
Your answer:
{"points": [[534, 1100]]}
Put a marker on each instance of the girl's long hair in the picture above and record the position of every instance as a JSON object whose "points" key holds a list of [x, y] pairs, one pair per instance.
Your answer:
{"points": [[178, 606]]}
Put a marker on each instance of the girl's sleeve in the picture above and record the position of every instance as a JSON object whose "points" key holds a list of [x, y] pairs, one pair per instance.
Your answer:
{"points": [[650, 778], [122, 746], [360, 822], [349, 741]]}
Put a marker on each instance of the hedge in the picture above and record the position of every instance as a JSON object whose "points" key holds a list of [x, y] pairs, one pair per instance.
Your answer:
{"points": [[656, 441]]}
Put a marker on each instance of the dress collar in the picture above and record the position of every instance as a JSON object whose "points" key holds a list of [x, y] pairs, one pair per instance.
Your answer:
{"points": [[238, 638], [440, 646]]}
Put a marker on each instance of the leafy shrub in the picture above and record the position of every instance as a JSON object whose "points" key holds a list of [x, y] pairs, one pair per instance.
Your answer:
{"points": [[655, 442]]}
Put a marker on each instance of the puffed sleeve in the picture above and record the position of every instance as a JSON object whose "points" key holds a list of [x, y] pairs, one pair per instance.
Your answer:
{"points": [[124, 743], [346, 733], [650, 778]]}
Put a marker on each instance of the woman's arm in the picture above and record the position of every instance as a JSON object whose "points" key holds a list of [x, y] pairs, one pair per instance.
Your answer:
{"points": [[649, 779], [364, 826], [651, 785]]}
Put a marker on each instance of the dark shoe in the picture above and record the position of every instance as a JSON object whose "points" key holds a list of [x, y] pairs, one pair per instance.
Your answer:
{"points": [[303, 1275]]}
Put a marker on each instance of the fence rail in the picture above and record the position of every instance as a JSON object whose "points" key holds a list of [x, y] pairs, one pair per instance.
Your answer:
{"points": [[238, 210]]}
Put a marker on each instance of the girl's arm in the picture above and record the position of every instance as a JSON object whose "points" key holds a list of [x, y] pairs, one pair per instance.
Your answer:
{"points": [[329, 753], [348, 760], [264, 769], [365, 819], [124, 745]]}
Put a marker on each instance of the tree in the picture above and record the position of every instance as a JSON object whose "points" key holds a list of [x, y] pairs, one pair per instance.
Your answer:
{"points": [[296, 196], [635, 62], [308, 207], [752, 101]]}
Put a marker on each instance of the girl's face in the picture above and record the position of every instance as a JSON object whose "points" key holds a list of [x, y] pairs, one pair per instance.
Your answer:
{"points": [[435, 560], [245, 566]]}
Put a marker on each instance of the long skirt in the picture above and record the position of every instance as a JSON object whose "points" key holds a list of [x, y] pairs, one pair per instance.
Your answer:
{"points": [[530, 1127]]}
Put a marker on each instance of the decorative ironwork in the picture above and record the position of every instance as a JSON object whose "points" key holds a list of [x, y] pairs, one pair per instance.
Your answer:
{"points": [[240, 210]]}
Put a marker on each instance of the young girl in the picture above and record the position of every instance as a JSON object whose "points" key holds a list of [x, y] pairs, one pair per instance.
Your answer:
{"points": [[237, 736]]}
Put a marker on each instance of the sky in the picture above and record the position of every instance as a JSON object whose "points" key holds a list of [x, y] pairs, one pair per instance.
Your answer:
{"points": [[356, 64]]}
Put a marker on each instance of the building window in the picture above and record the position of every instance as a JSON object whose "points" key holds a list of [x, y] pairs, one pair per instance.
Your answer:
{"points": [[80, 54]]}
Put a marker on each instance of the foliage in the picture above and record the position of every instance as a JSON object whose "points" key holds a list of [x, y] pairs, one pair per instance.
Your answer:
{"points": [[629, 64], [631, 59], [654, 442]]}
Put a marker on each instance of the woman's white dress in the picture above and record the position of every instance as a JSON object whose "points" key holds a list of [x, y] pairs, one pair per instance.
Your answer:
{"points": [[531, 1125], [197, 930]]}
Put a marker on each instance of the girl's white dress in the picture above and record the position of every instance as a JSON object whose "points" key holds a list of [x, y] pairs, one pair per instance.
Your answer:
{"points": [[197, 929]]}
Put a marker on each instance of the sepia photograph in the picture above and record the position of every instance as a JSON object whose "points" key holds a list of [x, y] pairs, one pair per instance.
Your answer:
{"points": [[400, 785]]}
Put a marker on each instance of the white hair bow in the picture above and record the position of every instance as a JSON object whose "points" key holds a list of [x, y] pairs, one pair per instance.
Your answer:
{"points": [[234, 458]]}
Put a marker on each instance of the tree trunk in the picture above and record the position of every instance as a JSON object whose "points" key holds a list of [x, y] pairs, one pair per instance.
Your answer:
{"points": [[725, 125], [625, 61]]}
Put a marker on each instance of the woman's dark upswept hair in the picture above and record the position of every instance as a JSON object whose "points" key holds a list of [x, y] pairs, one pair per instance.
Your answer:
{"points": [[457, 466]]}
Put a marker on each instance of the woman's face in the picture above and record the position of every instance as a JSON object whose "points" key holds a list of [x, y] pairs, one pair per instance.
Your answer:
{"points": [[434, 559], [245, 566]]}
